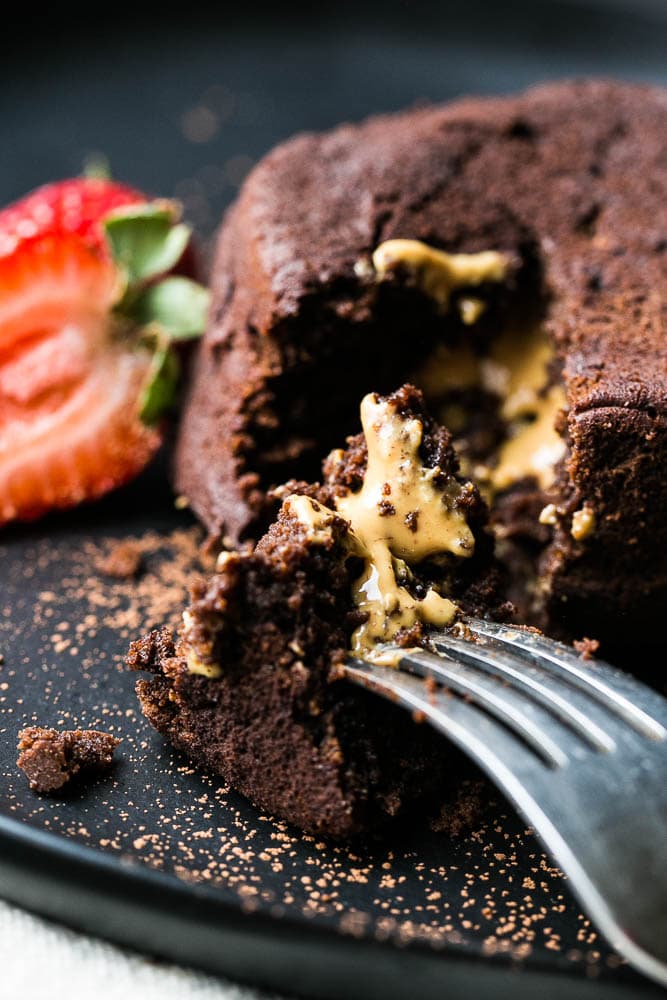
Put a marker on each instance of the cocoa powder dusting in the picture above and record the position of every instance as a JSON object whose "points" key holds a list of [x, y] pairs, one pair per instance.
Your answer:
{"points": [[123, 561], [121, 603]]}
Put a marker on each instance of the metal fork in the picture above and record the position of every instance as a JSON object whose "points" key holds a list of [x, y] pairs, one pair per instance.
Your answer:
{"points": [[579, 747]]}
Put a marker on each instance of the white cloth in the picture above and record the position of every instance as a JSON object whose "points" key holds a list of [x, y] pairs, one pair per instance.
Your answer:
{"points": [[42, 959]]}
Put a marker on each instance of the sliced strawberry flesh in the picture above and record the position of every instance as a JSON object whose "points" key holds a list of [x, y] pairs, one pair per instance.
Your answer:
{"points": [[46, 363], [69, 427], [55, 300], [90, 443], [47, 282]]}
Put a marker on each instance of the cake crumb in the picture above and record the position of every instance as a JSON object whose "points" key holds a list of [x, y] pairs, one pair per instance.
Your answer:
{"points": [[587, 648], [122, 562], [50, 758]]}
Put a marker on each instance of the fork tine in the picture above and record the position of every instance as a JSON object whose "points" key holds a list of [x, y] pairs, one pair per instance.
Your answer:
{"points": [[610, 688], [497, 749], [504, 704], [502, 662]]}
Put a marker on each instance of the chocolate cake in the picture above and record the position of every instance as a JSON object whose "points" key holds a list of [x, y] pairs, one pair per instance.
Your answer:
{"points": [[392, 542], [357, 258], [52, 758]]}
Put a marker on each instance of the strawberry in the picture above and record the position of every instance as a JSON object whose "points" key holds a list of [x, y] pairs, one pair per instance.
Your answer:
{"points": [[74, 207], [90, 308]]}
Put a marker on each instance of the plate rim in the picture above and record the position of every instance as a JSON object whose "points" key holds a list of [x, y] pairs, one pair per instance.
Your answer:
{"points": [[157, 914]]}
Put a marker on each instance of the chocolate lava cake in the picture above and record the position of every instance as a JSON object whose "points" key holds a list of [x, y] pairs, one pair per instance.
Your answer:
{"points": [[391, 542], [451, 246]]}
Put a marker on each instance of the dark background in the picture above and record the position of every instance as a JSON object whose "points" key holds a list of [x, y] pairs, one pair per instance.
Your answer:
{"points": [[183, 101]]}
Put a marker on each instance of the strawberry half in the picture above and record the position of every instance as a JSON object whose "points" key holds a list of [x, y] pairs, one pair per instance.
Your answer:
{"points": [[90, 307]]}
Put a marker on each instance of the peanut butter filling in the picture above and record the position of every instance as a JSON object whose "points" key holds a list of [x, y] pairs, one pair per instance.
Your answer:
{"points": [[438, 274], [583, 523], [516, 370], [534, 447], [194, 662], [400, 516], [313, 515], [583, 520]]}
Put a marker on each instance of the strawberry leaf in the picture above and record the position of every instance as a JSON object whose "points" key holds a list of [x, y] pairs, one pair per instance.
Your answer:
{"points": [[159, 390], [156, 308], [146, 240], [177, 305]]}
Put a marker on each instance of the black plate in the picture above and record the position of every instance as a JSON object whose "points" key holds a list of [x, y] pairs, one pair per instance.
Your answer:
{"points": [[172, 862], [156, 856]]}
